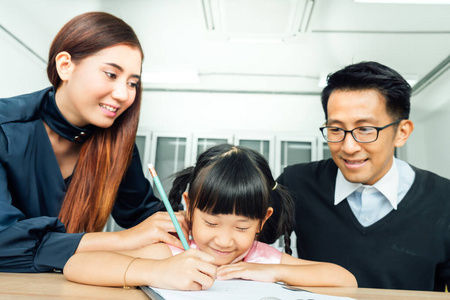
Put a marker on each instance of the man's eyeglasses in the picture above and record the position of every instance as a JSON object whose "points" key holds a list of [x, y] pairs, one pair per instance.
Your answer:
{"points": [[363, 134]]}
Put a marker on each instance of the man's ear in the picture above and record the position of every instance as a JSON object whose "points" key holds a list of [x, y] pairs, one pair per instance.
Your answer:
{"points": [[268, 214], [64, 65], [404, 130]]}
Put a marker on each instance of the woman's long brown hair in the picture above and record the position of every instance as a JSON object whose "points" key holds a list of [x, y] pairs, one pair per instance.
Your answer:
{"points": [[106, 155]]}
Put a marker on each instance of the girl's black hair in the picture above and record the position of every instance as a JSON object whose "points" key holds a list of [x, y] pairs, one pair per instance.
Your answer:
{"points": [[231, 179]]}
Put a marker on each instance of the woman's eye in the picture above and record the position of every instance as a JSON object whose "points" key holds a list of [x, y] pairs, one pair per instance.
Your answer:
{"points": [[133, 84], [111, 75]]}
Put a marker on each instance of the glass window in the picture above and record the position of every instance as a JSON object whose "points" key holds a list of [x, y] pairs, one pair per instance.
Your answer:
{"points": [[295, 152], [170, 158], [326, 151], [204, 144], [140, 143], [261, 146]]}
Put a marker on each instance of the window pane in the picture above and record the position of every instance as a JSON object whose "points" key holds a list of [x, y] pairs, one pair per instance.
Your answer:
{"points": [[170, 157], [326, 151], [295, 152], [258, 145], [140, 143], [204, 144]]}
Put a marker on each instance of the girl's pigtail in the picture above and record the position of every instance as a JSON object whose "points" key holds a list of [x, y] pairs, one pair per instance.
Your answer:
{"points": [[179, 186], [286, 221], [282, 223]]}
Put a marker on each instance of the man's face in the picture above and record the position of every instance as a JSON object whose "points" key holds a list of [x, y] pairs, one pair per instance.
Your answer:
{"points": [[364, 163]]}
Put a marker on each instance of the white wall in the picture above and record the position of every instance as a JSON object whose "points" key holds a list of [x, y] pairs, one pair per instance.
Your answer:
{"points": [[429, 145], [32, 22], [20, 71], [230, 113]]}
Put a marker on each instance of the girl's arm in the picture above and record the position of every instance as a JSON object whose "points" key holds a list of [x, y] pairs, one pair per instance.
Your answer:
{"points": [[291, 270], [190, 270]]}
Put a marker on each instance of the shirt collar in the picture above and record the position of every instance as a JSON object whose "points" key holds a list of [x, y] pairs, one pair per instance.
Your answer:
{"points": [[387, 185], [58, 123]]}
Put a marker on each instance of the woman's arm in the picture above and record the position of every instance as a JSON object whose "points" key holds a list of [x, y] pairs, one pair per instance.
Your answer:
{"points": [[156, 228], [190, 270], [291, 270]]}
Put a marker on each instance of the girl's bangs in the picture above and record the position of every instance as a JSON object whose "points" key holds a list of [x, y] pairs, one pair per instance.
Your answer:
{"points": [[233, 186]]}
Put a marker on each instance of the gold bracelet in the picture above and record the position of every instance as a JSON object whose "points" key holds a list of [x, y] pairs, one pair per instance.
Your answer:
{"points": [[125, 286]]}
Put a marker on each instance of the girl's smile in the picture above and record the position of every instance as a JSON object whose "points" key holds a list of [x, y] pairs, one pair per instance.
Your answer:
{"points": [[224, 236]]}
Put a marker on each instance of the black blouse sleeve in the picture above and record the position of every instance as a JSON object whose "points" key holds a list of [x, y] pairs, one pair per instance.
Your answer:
{"points": [[135, 199], [31, 245]]}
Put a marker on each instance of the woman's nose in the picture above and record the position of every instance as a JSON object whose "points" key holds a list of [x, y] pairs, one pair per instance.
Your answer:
{"points": [[120, 92]]}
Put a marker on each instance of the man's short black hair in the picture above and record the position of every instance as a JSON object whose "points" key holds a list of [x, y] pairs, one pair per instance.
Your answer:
{"points": [[372, 76]]}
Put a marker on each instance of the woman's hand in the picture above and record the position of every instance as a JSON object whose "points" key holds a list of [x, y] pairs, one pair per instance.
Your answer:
{"points": [[156, 228], [248, 271], [190, 270]]}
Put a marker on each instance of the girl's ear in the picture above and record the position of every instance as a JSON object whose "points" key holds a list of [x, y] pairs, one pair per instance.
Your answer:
{"points": [[269, 213], [186, 200], [64, 65]]}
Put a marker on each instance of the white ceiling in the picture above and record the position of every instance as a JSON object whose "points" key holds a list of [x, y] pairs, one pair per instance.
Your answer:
{"points": [[413, 39]]}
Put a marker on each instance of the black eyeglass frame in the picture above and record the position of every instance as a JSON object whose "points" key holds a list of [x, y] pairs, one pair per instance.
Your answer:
{"points": [[378, 129]]}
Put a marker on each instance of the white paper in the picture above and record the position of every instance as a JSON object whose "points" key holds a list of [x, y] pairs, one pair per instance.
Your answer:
{"points": [[245, 290]]}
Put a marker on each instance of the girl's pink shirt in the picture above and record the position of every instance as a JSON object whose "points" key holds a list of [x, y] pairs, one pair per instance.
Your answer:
{"points": [[259, 252]]}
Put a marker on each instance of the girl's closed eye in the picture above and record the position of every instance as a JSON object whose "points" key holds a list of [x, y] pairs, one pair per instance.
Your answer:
{"points": [[242, 228], [210, 223]]}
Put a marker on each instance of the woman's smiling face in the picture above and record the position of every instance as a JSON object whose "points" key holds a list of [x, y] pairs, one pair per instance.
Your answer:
{"points": [[99, 88]]}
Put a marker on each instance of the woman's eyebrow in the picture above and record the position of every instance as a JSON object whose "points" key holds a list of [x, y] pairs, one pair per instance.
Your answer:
{"points": [[114, 65]]}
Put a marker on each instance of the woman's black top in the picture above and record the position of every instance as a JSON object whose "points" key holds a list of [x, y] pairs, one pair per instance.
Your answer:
{"points": [[32, 238]]}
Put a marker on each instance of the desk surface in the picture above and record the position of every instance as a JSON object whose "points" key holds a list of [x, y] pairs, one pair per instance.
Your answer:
{"points": [[55, 286]]}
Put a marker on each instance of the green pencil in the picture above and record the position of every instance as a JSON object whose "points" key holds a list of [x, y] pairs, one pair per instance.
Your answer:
{"points": [[168, 206]]}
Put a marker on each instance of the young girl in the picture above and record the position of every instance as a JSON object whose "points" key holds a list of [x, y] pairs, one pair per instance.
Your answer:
{"points": [[228, 197]]}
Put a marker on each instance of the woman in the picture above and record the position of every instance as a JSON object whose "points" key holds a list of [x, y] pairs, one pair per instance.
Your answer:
{"points": [[68, 158]]}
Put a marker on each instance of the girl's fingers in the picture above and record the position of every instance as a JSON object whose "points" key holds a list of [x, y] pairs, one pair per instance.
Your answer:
{"points": [[202, 255]]}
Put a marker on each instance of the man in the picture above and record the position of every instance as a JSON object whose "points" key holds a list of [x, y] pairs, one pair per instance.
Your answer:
{"points": [[385, 221]]}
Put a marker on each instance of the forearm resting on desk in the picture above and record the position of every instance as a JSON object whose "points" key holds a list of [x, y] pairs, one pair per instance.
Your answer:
{"points": [[292, 271], [191, 270]]}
